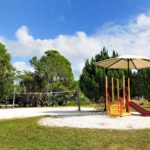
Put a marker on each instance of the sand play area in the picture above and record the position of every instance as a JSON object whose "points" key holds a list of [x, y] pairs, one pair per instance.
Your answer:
{"points": [[70, 117]]}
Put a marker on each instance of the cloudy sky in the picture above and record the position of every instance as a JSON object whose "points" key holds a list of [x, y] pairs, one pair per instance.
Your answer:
{"points": [[78, 29]]}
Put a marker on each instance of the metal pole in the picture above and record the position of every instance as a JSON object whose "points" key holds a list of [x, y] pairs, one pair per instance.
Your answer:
{"points": [[14, 97], [78, 99], [128, 89], [128, 67]]}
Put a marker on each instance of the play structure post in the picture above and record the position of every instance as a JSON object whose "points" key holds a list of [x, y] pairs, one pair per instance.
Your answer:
{"points": [[112, 80], [121, 106], [124, 90], [106, 87], [128, 95], [118, 94]]}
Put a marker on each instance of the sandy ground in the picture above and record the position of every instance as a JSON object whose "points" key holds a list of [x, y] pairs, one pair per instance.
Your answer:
{"points": [[38, 111], [97, 121], [70, 117]]}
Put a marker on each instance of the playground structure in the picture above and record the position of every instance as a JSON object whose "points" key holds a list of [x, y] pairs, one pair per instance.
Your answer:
{"points": [[121, 105], [118, 101], [117, 96]]}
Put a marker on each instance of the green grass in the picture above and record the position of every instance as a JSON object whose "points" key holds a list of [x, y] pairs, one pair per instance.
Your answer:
{"points": [[147, 107], [26, 134], [83, 102]]}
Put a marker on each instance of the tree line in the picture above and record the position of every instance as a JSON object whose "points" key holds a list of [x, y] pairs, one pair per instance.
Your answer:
{"points": [[53, 73], [92, 79]]}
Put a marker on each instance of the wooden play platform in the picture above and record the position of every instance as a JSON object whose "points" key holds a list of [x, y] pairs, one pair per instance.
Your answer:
{"points": [[117, 96]]}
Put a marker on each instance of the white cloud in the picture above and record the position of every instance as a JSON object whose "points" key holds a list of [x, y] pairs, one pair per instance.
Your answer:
{"points": [[143, 20], [77, 68], [21, 66], [133, 37]]}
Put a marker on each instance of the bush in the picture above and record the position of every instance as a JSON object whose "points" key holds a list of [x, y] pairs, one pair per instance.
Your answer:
{"points": [[83, 102], [54, 100]]}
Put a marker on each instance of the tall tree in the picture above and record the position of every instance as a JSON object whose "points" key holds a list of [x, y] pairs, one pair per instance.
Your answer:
{"points": [[6, 74], [92, 79], [146, 83], [141, 84], [53, 71]]}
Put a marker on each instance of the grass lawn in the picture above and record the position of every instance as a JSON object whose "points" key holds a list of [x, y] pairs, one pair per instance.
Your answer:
{"points": [[26, 134], [147, 107]]}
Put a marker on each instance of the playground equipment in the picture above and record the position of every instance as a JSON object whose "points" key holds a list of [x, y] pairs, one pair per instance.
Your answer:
{"points": [[117, 103], [100, 106], [139, 109], [122, 105]]}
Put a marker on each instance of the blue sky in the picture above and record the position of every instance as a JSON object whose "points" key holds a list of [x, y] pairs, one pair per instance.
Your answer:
{"points": [[48, 18], [30, 27]]}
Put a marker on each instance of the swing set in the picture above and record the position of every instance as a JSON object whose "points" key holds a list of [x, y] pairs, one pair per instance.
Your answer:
{"points": [[117, 96]]}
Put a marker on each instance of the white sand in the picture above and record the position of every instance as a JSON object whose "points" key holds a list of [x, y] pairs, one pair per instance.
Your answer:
{"points": [[70, 117], [99, 121]]}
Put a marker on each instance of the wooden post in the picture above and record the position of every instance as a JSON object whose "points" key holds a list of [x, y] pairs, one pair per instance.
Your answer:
{"points": [[124, 91], [118, 93], [112, 80], [106, 90], [128, 94]]}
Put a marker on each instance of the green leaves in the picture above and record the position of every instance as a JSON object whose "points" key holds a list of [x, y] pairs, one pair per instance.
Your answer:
{"points": [[52, 73], [141, 83], [92, 79], [6, 74]]}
